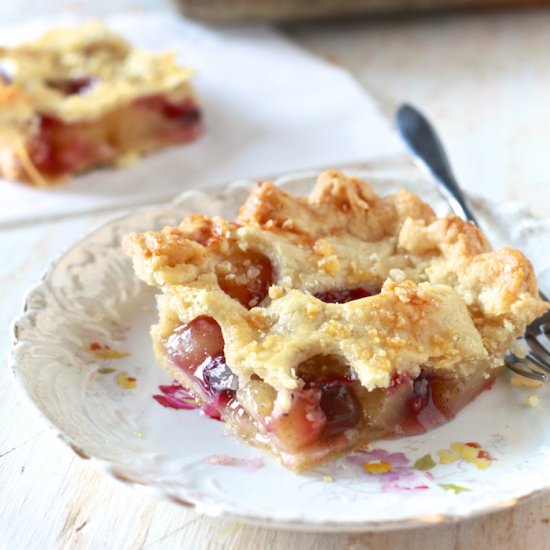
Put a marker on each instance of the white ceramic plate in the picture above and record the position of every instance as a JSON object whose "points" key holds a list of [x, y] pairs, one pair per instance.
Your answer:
{"points": [[90, 295]]}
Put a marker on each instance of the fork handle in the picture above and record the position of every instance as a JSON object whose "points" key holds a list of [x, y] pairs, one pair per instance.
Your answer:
{"points": [[422, 141]]}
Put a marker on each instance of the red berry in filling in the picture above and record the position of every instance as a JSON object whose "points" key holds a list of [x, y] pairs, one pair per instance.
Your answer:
{"points": [[421, 395], [185, 111], [217, 376], [341, 296], [341, 407]]}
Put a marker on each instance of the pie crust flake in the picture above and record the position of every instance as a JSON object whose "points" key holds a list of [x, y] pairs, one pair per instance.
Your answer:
{"points": [[316, 325], [81, 97]]}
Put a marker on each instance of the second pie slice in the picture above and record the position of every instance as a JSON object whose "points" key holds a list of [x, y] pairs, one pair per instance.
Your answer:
{"points": [[82, 97], [313, 326]]}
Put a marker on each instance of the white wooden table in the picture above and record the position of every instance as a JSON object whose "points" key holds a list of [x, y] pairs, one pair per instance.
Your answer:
{"points": [[485, 79]]}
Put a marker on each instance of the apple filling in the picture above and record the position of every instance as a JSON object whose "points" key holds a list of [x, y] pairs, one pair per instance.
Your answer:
{"points": [[59, 148]]}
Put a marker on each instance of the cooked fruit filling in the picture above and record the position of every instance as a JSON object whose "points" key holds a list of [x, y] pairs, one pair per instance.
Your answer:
{"points": [[341, 296], [60, 148], [197, 349], [341, 406], [73, 86], [330, 401], [433, 400], [320, 409], [246, 277]]}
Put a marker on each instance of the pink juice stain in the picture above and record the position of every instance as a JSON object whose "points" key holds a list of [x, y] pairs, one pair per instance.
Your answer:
{"points": [[176, 397]]}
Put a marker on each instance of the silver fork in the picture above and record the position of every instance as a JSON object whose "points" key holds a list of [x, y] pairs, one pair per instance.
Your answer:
{"points": [[427, 150]]}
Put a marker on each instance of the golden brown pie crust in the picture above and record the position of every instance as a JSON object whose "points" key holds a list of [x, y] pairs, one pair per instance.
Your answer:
{"points": [[447, 301]]}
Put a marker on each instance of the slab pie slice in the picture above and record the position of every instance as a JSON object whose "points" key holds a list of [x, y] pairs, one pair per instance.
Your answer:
{"points": [[82, 97], [316, 325]]}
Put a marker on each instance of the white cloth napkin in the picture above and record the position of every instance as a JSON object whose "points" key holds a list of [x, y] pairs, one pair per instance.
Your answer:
{"points": [[269, 108]]}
